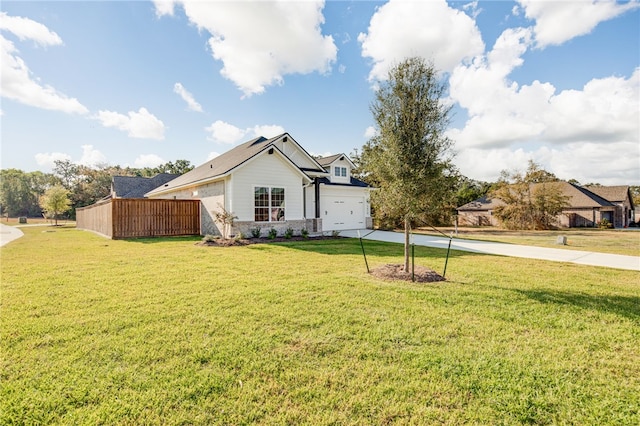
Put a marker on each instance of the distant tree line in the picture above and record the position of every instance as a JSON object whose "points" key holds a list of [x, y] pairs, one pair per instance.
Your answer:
{"points": [[21, 192]]}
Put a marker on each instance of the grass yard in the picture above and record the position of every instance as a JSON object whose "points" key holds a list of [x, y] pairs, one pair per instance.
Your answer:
{"points": [[618, 241], [164, 331]]}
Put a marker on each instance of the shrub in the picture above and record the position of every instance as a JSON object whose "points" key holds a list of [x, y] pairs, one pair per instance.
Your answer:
{"points": [[255, 232], [288, 233], [304, 233], [239, 236], [335, 234], [604, 223], [272, 233], [210, 238]]}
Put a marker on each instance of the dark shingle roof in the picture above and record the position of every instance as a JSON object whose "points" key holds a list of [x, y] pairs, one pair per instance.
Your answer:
{"points": [[353, 182], [137, 186], [222, 164]]}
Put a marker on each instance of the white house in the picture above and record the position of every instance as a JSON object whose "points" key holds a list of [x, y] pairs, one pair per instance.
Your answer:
{"points": [[274, 183]]}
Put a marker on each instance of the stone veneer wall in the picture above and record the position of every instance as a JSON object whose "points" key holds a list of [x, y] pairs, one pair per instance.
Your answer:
{"points": [[245, 227]]}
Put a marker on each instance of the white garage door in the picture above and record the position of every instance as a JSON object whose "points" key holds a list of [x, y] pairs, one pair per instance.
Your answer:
{"points": [[342, 212]]}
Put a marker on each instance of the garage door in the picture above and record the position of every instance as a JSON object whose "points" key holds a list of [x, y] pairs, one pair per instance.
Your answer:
{"points": [[342, 212]]}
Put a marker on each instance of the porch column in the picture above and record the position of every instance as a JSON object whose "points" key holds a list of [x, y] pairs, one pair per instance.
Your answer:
{"points": [[316, 183]]}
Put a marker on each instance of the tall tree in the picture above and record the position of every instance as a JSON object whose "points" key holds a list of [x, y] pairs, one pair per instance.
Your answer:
{"points": [[19, 191], [409, 159], [531, 200], [55, 201]]}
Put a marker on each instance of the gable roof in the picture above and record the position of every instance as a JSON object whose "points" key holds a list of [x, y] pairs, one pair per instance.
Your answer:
{"points": [[482, 203], [137, 186], [224, 164], [577, 197], [580, 197], [617, 194], [326, 161]]}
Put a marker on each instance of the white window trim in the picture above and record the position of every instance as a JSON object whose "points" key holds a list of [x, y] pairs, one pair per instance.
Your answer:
{"points": [[269, 188]]}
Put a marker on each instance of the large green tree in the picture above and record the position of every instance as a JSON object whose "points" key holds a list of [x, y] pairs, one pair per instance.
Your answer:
{"points": [[409, 158], [19, 191]]}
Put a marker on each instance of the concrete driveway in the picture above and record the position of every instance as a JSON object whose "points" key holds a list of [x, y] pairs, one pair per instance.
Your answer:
{"points": [[485, 247], [8, 234]]}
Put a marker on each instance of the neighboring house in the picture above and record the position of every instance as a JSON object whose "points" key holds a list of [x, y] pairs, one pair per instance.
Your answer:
{"points": [[274, 183], [621, 197], [586, 207], [137, 186], [479, 212]]}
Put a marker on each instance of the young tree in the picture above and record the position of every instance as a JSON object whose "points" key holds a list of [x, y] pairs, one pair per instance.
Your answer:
{"points": [[55, 201], [408, 158]]}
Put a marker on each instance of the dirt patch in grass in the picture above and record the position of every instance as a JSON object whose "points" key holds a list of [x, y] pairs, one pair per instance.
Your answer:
{"points": [[396, 272]]}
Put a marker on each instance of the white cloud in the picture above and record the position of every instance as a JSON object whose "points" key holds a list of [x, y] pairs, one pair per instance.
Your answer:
{"points": [[559, 21], [608, 164], [17, 82], [141, 124], [226, 133], [586, 162], [187, 97], [261, 42], [48, 159], [212, 155], [268, 131], [92, 157], [430, 29], [148, 160], [370, 132], [164, 7], [26, 29], [486, 164], [575, 133], [502, 113]]}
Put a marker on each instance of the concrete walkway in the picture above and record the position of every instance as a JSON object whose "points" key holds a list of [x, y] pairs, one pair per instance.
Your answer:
{"points": [[8, 234], [485, 247]]}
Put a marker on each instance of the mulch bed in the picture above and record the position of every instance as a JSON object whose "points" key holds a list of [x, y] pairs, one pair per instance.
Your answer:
{"points": [[232, 242], [396, 272]]}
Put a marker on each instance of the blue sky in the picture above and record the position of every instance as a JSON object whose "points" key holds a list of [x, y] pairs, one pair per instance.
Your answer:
{"points": [[139, 83]]}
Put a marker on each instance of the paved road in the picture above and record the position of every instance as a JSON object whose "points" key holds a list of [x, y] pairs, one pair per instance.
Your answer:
{"points": [[557, 255], [8, 234]]}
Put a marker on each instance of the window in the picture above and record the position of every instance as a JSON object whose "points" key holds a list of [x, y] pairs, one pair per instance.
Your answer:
{"points": [[268, 204], [340, 171]]}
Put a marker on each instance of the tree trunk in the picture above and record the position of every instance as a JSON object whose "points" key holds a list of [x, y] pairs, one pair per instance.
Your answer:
{"points": [[406, 244]]}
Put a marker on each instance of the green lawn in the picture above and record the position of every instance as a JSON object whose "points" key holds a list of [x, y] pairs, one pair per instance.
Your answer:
{"points": [[618, 241], [95, 331]]}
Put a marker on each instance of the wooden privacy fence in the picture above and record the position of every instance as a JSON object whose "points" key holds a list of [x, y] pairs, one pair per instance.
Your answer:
{"points": [[141, 217]]}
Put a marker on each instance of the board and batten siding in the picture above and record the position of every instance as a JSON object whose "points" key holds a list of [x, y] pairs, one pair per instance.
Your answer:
{"points": [[340, 179], [298, 157], [270, 171]]}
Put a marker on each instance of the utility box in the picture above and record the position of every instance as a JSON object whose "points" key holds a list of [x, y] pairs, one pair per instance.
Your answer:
{"points": [[22, 219], [561, 240]]}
